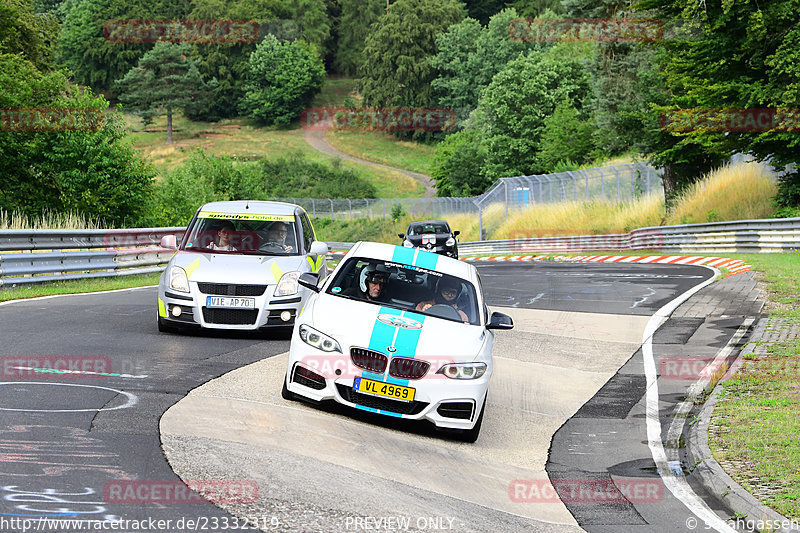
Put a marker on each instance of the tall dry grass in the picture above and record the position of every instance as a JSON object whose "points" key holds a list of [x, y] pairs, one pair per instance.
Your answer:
{"points": [[48, 220], [741, 192], [582, 218]]}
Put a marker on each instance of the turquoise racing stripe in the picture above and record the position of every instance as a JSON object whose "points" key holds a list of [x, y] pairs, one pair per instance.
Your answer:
{"points": [[404, 340]]}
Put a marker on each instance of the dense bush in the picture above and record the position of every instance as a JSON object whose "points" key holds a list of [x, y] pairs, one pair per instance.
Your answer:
{"points": [[95, 172], [207, 178], [457, 165], [282, 79], [566, 138]]}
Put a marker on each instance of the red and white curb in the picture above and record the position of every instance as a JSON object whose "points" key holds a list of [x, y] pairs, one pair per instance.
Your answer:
{"points": [[734, 266]]}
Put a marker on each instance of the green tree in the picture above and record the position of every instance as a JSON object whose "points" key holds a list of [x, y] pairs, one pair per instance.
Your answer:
{"points": [[164, 80], [457, 165], [356, 18], [282, 80], [397, 70], [94, 60], [32, 37], [95, 172], [469, 56], [738, 55], [567, 137], [513, 109]]}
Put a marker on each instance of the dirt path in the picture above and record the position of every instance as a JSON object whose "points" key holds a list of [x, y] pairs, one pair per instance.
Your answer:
{"points": [[316, 138]]}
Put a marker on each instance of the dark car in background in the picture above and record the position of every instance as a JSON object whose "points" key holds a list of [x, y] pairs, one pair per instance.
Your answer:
{"points": [[433, 236]]}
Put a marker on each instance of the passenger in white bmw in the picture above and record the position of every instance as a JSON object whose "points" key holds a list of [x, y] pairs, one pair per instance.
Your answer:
{"points": [[447, 292]]}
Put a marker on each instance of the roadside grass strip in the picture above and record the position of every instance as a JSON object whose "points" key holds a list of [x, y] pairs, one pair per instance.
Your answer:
{"points": [[732, 266], [754, 432]]}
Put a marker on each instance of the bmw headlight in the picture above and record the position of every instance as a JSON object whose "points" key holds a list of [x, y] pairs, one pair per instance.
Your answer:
{"points": [[450, 242], [288, 284], [463, 370], [407, 244], [318, 340], [178, 280]]}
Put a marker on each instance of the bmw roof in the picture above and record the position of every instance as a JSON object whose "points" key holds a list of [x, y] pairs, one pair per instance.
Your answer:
{"points": [[390, 252]]}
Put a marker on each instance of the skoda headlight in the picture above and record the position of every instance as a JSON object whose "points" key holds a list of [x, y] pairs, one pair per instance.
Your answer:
{"points": [[463, 370], [288, 284], [450, 242], [407, 244], [318, 340], [178, 280]]}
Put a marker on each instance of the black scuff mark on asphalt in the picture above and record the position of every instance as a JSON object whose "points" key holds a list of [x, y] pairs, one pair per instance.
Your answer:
{"points": [[616, 398], [677, 330]]}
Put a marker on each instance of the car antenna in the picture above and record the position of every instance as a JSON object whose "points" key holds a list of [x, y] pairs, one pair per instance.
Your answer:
{"points": [[247, 204]]}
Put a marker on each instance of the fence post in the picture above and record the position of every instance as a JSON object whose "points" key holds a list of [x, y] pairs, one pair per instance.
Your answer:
{"points": [[331, 201], [505, 186], [350, 203]]}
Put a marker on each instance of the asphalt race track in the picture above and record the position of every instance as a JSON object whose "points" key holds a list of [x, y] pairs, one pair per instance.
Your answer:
{"points": [[569, 373]]}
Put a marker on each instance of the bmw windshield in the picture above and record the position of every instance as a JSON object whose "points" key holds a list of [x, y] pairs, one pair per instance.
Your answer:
{"points": [[407, 288]]}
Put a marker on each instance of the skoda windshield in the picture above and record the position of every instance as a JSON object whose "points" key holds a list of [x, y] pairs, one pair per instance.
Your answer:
{"points": [[251, 234]]}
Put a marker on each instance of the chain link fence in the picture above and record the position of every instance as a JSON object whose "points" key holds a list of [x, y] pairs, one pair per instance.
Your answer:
{"points": [[616, 183]]}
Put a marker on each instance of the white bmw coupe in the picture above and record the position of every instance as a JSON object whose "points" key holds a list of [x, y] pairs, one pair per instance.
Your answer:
{"points": [[400, 332]]}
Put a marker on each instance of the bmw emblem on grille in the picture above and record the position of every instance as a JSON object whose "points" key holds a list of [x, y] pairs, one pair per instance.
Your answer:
{"points": [[400, 321], [391, 349]]}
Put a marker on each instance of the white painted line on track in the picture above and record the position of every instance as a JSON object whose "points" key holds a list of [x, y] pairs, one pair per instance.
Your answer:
{"points": [[132, 399], [674, 481]]}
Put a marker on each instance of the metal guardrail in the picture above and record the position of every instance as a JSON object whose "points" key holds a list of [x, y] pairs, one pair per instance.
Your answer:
{"points": [[743, 236], [34, 256]]}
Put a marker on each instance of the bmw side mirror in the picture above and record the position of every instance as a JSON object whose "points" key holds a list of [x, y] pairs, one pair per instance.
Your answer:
{"points": [[309, 281], [498, 321]]}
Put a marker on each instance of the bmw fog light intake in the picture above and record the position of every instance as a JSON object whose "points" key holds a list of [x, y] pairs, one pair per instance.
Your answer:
{"points": [[463, 370], [318, 340], [286, 316]]}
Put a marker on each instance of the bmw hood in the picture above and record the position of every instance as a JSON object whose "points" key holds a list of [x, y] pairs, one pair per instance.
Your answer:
{"points": [[392, 331], [236, 268]]}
